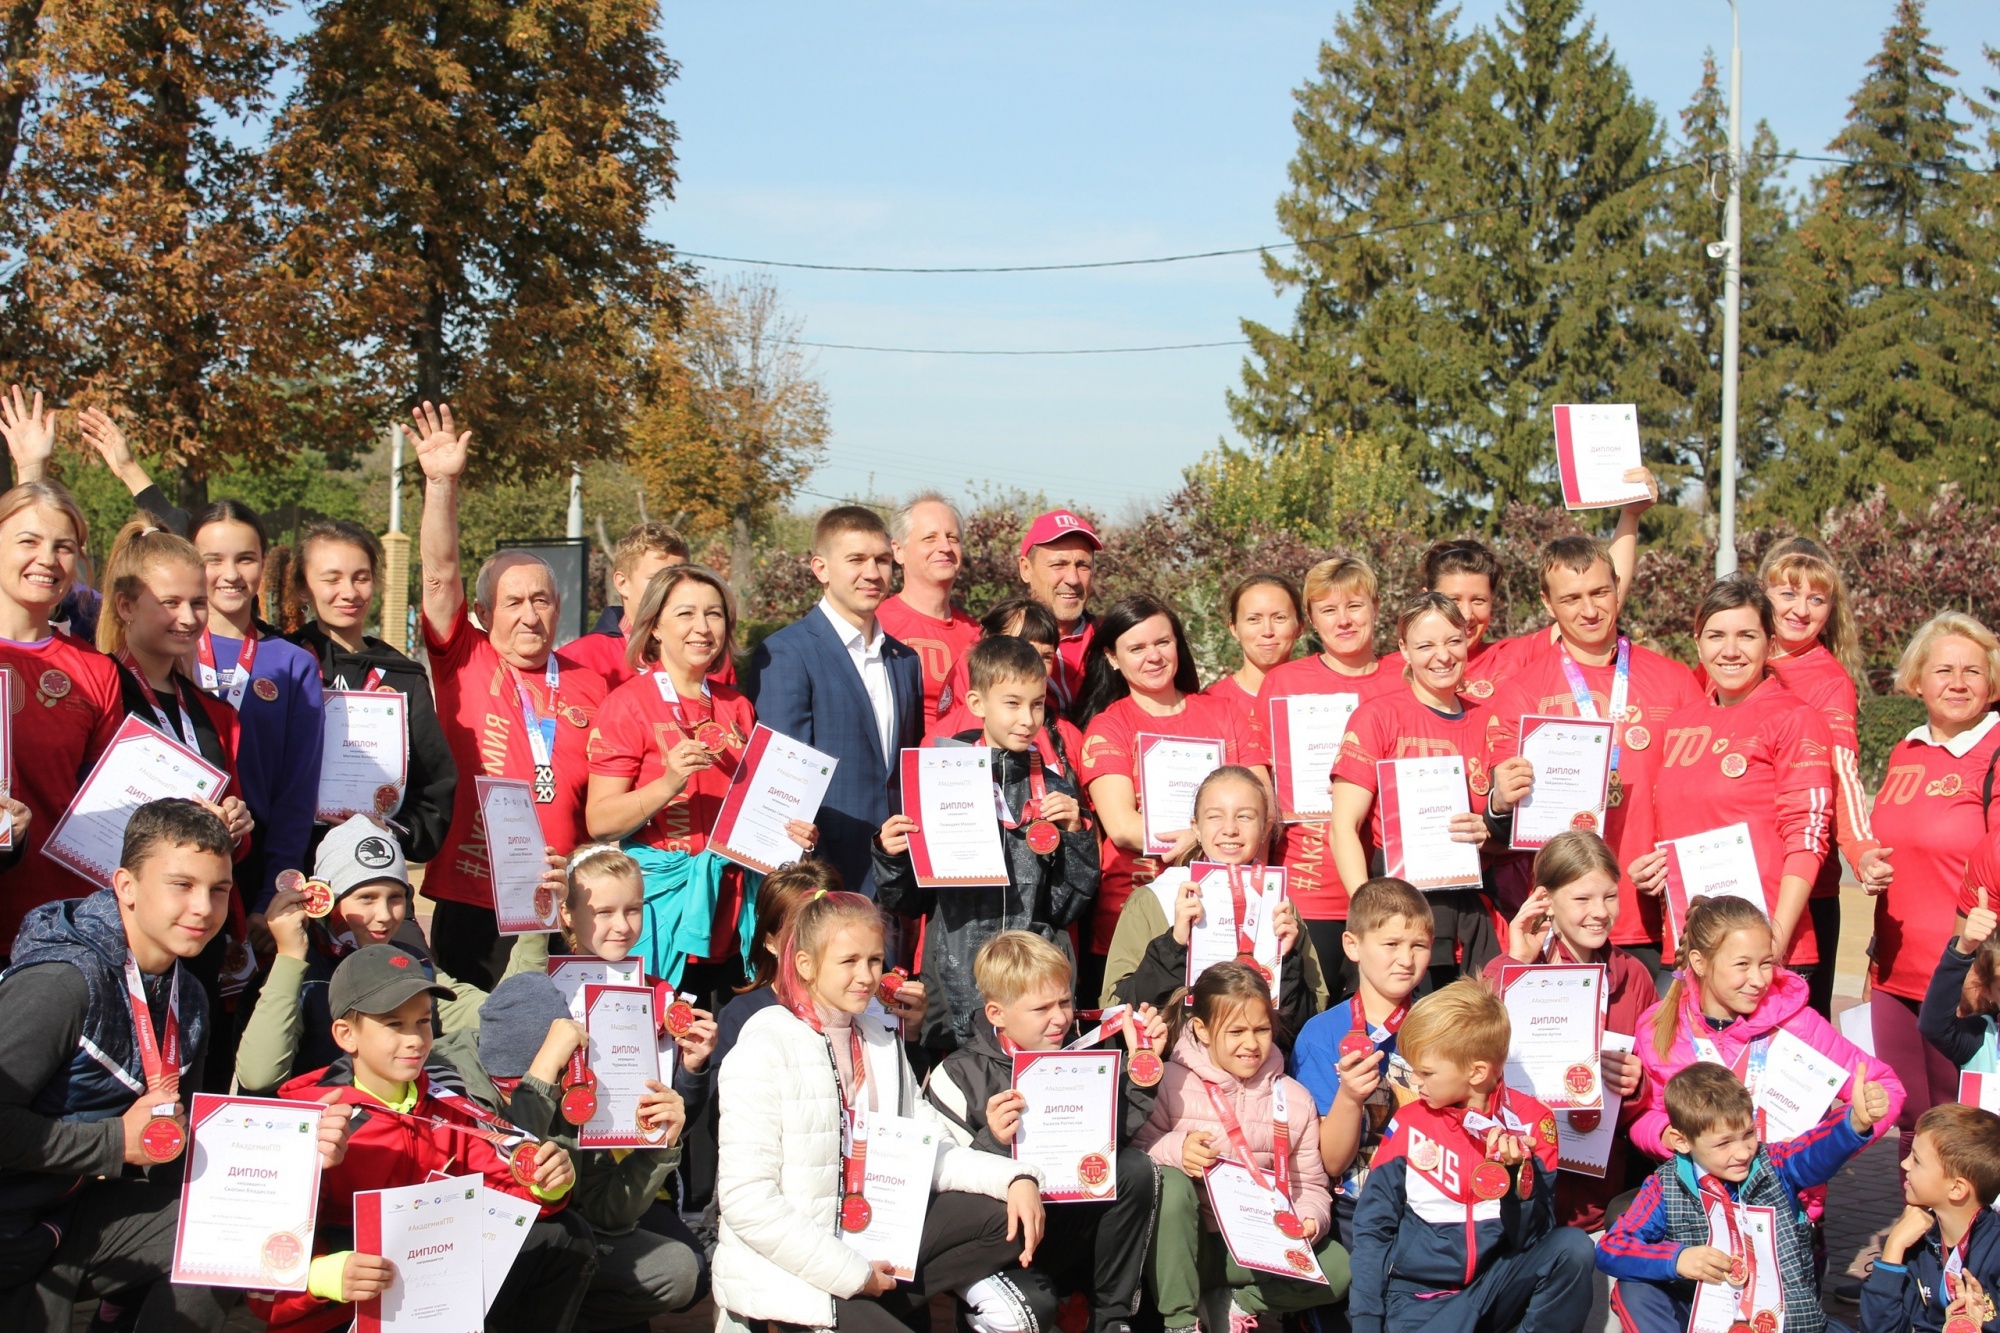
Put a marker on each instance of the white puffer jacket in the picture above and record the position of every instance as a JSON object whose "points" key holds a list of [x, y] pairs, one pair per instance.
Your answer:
{"points": [[777, 1183]]}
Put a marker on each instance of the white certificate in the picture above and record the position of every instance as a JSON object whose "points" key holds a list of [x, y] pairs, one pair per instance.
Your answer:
{"points": [[1596, 445], [1215, 938], [139, 765], [1572, 761], [516, 856], [949, 791], [364, 762], [1584, 1138], [896, 1181], [779, 779], [1069, 1127], [1418, 798], [1795, 1087], [1717, 1305], [1980, 1090], [434, 1233], [1306, 732], [1171, 770], [1857, 1024], [252, 1194], [624, 1057], [1556, 1012], [505, 1230], [1721, 863], [1247, 1213], [572, 972]]}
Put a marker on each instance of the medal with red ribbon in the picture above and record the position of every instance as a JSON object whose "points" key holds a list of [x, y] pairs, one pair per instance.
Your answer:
{"points": [[680, 1016], [704, 728], [1491, 1178], [515, 1144], [1145, 1068], [1278, 1183], [1245, 908], [179, 720], [1742, 1256], [1043, 836], [579, 1089], [1978, 1309], [855, 1210], [162, 1138], [230, 692], [1363, 1038]]}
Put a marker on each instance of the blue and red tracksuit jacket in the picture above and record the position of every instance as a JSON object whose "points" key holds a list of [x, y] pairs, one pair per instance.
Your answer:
{"points": [[1419, 1217]]}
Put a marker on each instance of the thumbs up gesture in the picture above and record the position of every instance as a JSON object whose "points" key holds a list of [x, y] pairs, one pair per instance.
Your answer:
{"points": [[1979, 925], [1870, 1100]]}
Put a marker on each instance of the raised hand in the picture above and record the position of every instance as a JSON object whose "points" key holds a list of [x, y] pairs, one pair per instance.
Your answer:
{"points": [[30, 434], [334, 1124], [1187, 911], [1003, 1113], [1528, 932], [1870, 1100], [441, 449], [1285, 926], [1645, 476], [1361, 1074], [1513, 782], [1979, 925]]}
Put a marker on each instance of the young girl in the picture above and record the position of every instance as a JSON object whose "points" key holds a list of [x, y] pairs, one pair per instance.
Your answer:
{"points": [[1148, 958], [330, 587], [1957, 1013], [1225, 1095], [1265, 618], [805, 1073], [1568, 919], [1728, 1001]]}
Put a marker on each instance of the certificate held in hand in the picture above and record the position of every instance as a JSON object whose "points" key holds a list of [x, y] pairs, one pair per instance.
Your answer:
{"points": [[252, 1194], [1572, 762], [1246, 1211], [1069, 1126], [899, 1156], [435, 1235], [624, 1058], [778, 780], [516, 856], [949, 791], [1306, 732], [1556, 1013], [139, 765], [1595, 447], [1225, 933], [1171, 770], [1418, 799], [1721, 863], [364, 762]]}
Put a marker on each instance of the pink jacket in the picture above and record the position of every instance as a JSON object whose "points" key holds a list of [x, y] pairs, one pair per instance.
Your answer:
{"points": [[1183, 1105], [1782, 1008]]}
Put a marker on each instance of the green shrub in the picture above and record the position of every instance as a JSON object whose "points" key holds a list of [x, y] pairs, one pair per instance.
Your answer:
{"points": [[1885, 719]]}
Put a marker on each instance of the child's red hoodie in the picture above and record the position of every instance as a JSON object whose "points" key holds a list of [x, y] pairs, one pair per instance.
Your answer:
{"points": [[442, 1132]]}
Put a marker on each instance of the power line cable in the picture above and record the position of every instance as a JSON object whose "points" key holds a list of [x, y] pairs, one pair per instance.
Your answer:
{"points": [[1030, 351]]}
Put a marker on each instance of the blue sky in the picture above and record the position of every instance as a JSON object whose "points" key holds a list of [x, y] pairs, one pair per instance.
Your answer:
{"points": [[1042, 132]]}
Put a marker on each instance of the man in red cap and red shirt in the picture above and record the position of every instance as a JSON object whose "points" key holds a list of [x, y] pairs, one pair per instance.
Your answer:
{"points": [[1056, 556]]}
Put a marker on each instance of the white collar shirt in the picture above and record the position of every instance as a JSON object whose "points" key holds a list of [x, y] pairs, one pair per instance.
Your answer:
{"points": [[866, 654]]}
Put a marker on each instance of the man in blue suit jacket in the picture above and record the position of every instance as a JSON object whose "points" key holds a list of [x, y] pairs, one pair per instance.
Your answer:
{"points": [[836, 681]]}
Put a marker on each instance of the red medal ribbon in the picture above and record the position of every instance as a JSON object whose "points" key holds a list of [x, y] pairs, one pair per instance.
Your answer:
{"points": [[1740, 1250], [1281, 1139], [1363, 1036], [1246, 944], [239, 680], [183, 724], [161, 1059], [1037, 790]]}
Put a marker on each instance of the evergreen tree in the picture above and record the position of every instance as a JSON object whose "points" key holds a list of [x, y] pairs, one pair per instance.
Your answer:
{"points": [[1895, 381]]}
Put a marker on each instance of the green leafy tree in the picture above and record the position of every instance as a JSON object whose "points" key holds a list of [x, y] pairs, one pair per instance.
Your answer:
{"points": [[1322, 490]]}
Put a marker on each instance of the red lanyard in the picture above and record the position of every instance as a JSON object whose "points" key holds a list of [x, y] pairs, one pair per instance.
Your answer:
{"points": [[1363, 1038], [1246, 940], [1280, 1181], [162, 1138], [239, 680], [1038, 788], [1742, 1254], [517, 1145], [182, 721]]}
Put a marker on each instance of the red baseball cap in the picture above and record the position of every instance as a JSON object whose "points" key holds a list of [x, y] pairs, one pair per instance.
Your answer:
{"points": [[1055, 524]]}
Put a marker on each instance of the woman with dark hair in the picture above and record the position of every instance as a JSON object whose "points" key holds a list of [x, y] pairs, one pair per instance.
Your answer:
{"points": [[331, 583], [1752, 752], [272, 685], [1141, 681]]}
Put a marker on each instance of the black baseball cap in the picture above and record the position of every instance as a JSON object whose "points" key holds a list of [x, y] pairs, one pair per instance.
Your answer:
{"points": [[377, 980]]}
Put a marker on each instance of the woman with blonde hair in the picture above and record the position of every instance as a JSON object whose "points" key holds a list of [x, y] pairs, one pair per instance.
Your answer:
{"points": [[1932, 817], [1817, 652]]}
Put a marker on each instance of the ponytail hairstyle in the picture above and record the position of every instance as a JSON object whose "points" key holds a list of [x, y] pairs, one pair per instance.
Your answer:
{"points": [[1230, 773], [298, 602], [778, 899], [1710, 921], [1569, 856], [593, 862], [141, 546], [812, 928], [1216, 994], [1801, 562]]}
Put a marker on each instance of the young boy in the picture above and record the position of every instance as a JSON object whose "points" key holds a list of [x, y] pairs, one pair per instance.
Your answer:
{"points": [[1347, 1056], [1456, 1229], [1662, 1245], [1051, 852], [89, 1187], [1942, 1257], [1028, 988], [648, 1264], [408, 1128]]}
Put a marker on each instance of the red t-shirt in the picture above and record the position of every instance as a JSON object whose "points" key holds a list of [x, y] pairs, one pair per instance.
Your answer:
{"points": [[66, 706], [1817, 677], [1312, 881], [1227, 690], [1656, 687], [1110, 747], [635, 729], [605, 654], [1072, 655], [1401, 726], [1485, 666], [1780, 755], [483, 727], [938, 644], [1929, 811]]}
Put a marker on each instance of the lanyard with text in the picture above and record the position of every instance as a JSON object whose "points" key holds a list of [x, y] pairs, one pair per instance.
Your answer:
{"points": [[1979, 1308], [704, 728], [541, 742], [1042, 835], [1586, 707], [1742, 1254], [239, 679], [1245, 908], [519, 1147], [1490, 1178], [855, 1211], [181, 721], [162, 1138], [1280, 1182], [1146, 1067], [371, 684], [1363, 1038]]}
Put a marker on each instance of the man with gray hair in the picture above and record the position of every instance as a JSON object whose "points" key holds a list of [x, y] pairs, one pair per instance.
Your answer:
{"points": [[510, 705], [926, 537]]}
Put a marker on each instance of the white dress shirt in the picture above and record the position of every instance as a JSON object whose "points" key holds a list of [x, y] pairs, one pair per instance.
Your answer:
{"points": [[866, 654]]}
